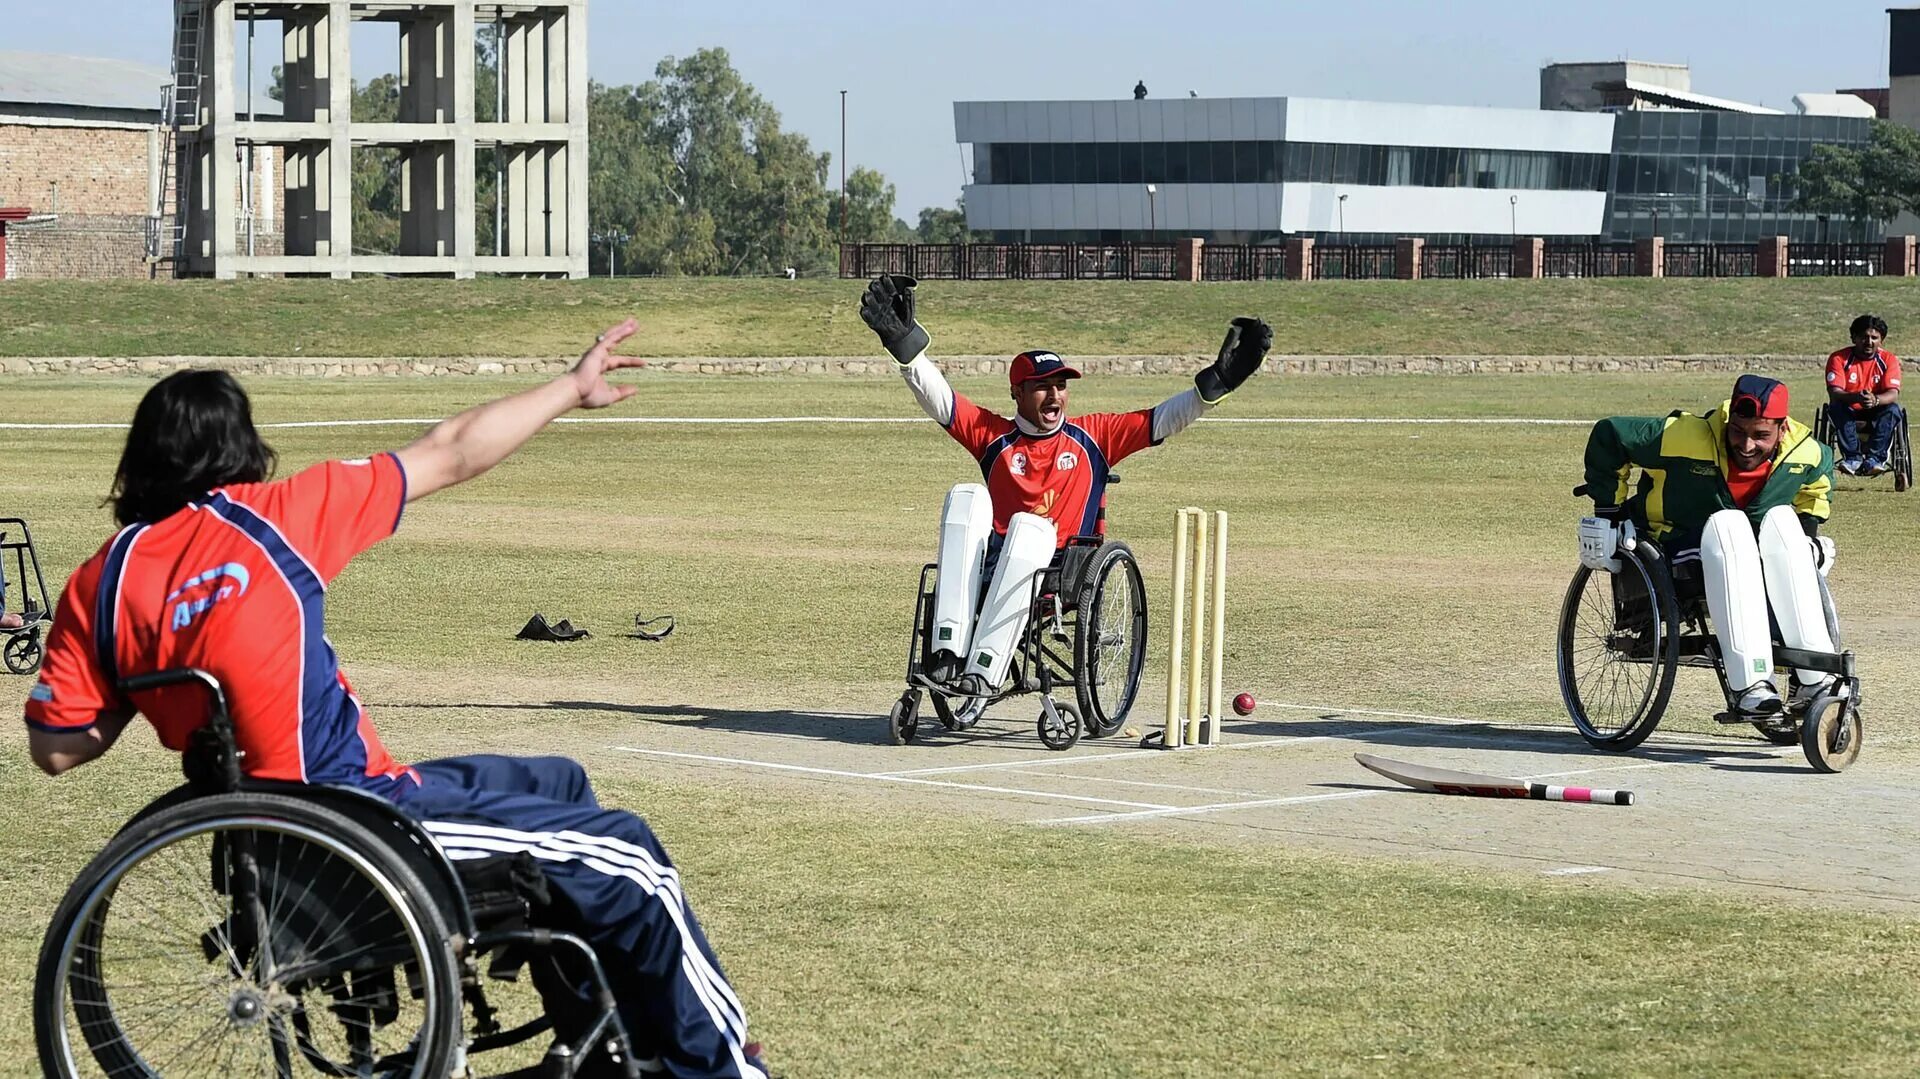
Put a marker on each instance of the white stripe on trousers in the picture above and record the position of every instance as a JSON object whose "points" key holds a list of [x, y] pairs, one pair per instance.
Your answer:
{"points": [[616, 858]]}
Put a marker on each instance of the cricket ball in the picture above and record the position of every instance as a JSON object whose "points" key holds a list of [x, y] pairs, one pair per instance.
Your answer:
{"points": [[1243, 704]]}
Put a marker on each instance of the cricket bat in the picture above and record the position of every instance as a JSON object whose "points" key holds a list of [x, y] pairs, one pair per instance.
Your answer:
{"points": [[1445, 781]]}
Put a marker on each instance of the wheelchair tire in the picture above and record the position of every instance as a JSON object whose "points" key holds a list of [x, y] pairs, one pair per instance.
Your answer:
{"points": [[22, 652], [903, 719], [1831, 734], [1059, 726], [1110, 639], [1592, 659], [78, 1007]]}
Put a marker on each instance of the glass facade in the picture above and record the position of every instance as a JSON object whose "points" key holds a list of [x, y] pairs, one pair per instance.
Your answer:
{"points": [[1721, 176], [1267, 162]]}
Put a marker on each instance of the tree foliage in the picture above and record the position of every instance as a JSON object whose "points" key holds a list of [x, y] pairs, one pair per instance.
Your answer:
{"points": [[1870, 183], [946, 226]]}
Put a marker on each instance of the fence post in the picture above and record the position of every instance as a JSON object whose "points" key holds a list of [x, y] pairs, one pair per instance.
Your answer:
{"points": [[1650, 257], [1300, 258], [1899, 257], [1186, 258], [1770, 257], [1529, 257], [1406, 257]]}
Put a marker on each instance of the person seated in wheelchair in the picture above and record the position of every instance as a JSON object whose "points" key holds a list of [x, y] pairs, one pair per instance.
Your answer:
{"points": [[217, 567], [1863, 386], [1734, 499], [8, 619], [1046, 477]]}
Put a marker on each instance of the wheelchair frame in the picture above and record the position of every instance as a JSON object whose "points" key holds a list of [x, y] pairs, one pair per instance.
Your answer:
{"points": [[1899, 451], [496, 928], [1828, 727], [1055, 616], [21, 649]]}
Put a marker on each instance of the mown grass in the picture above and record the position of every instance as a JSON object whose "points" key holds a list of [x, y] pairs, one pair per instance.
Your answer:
{"points": [[718, 317], [1398, 566]]}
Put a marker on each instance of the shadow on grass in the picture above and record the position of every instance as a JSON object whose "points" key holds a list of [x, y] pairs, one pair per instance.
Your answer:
{"points": [[1717, 752]]}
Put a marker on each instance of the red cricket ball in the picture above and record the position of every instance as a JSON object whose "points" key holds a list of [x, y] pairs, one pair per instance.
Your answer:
{"points": [[1243, 704]]}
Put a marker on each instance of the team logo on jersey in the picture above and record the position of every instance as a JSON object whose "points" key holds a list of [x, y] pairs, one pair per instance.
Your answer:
{"points": [[1045, 506], [1066, 461], [213, 586], [41, 692], [1017, 464]]}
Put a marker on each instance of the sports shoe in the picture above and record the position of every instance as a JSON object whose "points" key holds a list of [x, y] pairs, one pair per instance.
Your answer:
{"points": [[1849, 465], [1805, 692], [1759, 699], [1873, 468]]}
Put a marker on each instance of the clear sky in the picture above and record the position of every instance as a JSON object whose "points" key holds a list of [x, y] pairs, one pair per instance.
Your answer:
{"points": [[904, 64]]}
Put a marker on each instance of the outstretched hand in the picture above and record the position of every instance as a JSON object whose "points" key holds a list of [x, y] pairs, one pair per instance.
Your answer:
{"points": [[590, 374]]}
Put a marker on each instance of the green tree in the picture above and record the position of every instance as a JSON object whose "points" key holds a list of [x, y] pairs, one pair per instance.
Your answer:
{"points": [[869, 210], [943, 226], [1870, 183]]}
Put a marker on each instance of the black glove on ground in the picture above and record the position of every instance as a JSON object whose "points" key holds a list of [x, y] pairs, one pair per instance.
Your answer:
{"points": [[1248, 340], [887, 307]]}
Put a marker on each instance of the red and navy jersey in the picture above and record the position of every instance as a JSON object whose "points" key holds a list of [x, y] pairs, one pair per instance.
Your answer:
{"points": [[1062, 476], [236, 585]]}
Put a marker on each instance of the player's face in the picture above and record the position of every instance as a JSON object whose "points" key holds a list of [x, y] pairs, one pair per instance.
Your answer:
{"points": [[1751, 441], [1042, 401], [1866, 342]]}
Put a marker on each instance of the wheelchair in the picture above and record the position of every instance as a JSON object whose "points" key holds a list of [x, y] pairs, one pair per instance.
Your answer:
{"points": [[1899, 451], [21, 649], [284, 929], [1086, 631], [1625, 634]]}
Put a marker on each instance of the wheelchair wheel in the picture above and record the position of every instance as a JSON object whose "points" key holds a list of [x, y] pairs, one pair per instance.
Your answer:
{"points": [[1059, 725], [156, 960], [1618, 650], [1902, 457], [903, 719], [957, 713], [1831, 734], [22, 652], [1110, 639]]}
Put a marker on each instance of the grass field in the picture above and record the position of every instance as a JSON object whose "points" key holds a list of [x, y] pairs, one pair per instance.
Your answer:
{"points": [[1411, 567], [706, 317]]}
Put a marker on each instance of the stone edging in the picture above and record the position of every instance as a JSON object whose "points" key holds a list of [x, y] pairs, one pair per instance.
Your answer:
{"points": [[855, 366]]}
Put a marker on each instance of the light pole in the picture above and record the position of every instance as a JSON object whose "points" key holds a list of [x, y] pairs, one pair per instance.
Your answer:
{"points": [[842, 238], [1153, 215], [1513, 217], [1343, 217], [613, 238]]}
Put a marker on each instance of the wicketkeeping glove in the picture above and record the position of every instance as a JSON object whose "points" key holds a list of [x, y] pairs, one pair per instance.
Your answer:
{"points": [[887, 307], [1248, 340], [1823, 553]]}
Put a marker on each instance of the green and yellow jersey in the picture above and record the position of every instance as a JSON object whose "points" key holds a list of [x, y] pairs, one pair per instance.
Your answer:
{"points": [[1683, 463]]}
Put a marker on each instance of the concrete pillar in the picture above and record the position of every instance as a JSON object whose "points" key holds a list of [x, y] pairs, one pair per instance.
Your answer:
{"points": [[1899, 257], [463, 241], [1529, 257], [218, 111], [1300, 258], [339, 156], [578, 225], [1770, 256], [1650, 257], [1406, 257], [1187, 261]]}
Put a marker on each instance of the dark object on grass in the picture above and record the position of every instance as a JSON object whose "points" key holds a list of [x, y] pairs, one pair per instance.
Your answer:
{"points": [[643, 627], [537, 629]]}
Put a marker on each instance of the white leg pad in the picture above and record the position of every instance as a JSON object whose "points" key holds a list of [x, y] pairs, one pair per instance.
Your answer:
{"points": [[1003, 614], [1736, 598], [1793, 586], [966, 523]]}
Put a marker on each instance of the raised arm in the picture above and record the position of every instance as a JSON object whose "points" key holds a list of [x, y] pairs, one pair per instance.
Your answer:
{"points": [[462, 447], [887, 308], [1248, 340], [1615, 445]]}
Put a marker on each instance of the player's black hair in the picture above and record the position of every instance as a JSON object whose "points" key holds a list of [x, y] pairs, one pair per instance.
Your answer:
{"points": [[1868, 322], [192, 432]]}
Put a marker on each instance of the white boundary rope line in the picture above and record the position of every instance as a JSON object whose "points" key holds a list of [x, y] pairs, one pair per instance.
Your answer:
{"points": [[754, 421]]}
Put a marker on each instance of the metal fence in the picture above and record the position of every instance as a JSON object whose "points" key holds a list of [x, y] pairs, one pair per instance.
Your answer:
{"points": [[1332, 261]]}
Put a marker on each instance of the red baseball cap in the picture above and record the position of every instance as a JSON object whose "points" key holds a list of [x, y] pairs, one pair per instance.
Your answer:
{"points": [[1759, 397], [1037, 363]]}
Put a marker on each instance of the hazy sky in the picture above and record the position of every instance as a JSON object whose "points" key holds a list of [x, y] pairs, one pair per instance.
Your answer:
{"points": [[904, 64]]}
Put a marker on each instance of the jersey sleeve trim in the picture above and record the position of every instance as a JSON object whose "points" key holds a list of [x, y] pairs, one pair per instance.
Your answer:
{"points": [[401, 510], [55, 728]]}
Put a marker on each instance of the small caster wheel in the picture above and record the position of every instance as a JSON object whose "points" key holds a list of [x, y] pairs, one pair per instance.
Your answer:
{"points": [[1059, 724], [1831, 734], [903, 719]]}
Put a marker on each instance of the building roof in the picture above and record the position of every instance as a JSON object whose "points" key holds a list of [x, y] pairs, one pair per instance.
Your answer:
{"points": [[1684, 100], [34, 78], [1834, 105]]}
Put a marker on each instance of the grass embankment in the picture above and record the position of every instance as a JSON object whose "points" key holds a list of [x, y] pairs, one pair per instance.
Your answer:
{"points": [[718, 317], [1409, 567]]}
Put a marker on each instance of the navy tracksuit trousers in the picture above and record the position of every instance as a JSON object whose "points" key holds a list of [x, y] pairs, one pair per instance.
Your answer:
{"points": [[673, 997]]}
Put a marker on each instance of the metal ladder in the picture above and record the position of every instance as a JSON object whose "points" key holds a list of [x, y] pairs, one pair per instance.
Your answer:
{"points": [[180, 112]]}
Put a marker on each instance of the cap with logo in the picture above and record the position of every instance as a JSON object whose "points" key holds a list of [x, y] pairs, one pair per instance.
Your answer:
{"points": [[1759, 397], [1038, 363]]}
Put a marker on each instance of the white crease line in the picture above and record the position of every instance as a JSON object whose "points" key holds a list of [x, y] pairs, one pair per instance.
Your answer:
{"points": [[1575, 870], [1145, 783], [888, 779], [752, 421]]}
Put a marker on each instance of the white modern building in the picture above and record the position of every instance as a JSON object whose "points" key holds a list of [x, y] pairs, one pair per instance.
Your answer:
{"points": [[1249, 169]]}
